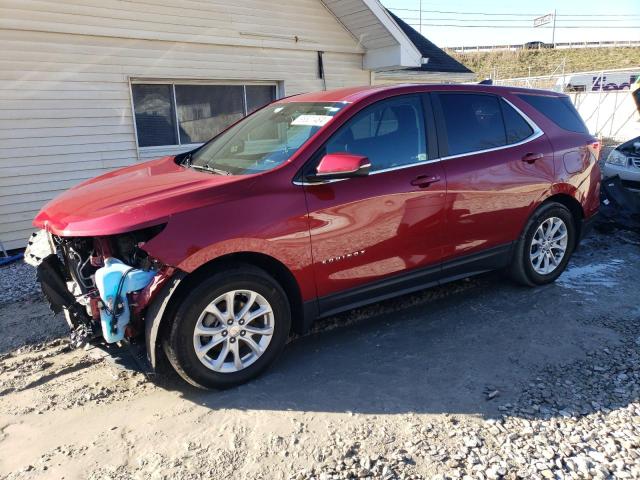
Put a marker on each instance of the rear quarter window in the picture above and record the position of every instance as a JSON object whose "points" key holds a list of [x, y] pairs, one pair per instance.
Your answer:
{"points": [[516, 127], [559, 110]]}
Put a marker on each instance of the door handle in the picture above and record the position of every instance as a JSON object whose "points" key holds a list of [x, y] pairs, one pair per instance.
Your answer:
{"points": [[532, 157], [423, 181]]}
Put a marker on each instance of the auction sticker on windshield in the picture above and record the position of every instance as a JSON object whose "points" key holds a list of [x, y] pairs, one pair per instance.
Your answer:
{"points": [[312, 120]]}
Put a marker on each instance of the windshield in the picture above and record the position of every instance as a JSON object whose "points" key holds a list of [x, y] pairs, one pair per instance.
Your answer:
{"points": [[264, 140]]}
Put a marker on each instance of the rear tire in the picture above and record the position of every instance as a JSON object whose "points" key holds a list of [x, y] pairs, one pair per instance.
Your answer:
{"points": [[545, 246], [213, 346]]}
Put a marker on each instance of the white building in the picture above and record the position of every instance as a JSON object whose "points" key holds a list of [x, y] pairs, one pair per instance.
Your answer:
{"points": [[92, 85]]}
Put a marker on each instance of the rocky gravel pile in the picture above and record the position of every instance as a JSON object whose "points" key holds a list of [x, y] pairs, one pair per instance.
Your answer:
{"points": [[18, 282], [575, 421], [357, 465]]}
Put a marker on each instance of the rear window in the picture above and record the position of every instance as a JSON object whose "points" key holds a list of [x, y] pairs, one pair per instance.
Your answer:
{"points": [[559, 110]]}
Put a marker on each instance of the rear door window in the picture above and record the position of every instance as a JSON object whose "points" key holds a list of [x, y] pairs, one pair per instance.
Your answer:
{"points": [[559, 110], [473, 122]]}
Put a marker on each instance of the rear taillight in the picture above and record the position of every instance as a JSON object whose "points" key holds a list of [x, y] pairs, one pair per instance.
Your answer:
{"points": [[594, 148]]}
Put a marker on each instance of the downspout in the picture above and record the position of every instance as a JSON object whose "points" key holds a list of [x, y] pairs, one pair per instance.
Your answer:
{"points": [[321, 69]]}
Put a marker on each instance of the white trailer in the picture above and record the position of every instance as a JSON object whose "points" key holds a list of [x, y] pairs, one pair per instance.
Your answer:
{"points": [[597, 81]]}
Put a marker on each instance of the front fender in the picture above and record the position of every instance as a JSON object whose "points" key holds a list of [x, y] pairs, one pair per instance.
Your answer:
{"points": [[188, 242], [155, 313], [291, 255]]}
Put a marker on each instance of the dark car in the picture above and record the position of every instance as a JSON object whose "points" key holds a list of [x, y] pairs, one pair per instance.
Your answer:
{"points": [[536, 45], [313, 205]]}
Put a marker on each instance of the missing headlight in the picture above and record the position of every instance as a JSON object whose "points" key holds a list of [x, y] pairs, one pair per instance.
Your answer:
{"points": [[127, 246]]}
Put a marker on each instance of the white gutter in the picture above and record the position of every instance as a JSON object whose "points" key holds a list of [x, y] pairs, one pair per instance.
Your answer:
{"points": [[398, 51], [410, 56]]}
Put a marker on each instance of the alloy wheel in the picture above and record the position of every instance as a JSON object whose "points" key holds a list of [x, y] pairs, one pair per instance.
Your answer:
{"points": [[233, 331], [548, 245]]}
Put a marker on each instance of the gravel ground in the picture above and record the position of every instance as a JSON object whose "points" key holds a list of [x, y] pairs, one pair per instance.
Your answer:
{"points": [[20, 294], [475, 380], [577, 420], [18, 282]]}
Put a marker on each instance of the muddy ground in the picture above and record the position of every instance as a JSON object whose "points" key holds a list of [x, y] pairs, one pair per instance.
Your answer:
{"points": [[479, 378]]}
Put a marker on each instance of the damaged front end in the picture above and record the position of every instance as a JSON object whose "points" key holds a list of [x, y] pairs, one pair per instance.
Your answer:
{"points": [[103, 285]]}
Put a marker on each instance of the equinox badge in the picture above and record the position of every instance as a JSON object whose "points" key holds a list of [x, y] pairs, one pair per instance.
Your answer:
{"points": [[343, 257]]}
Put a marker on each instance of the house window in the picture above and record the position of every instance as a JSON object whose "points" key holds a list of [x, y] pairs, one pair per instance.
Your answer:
{"points": [[182, 114], [155, 117]]}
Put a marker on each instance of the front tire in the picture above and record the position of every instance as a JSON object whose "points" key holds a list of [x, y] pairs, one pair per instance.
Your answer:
{"points": [[543, 250], [229, 328]]}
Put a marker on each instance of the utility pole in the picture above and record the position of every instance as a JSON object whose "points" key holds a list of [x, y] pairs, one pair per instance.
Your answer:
{"points": [[553, 34], [420, 29]]}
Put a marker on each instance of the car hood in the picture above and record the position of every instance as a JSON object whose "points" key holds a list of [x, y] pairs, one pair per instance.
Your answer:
{"points": [[630, 147], [130, 198]]}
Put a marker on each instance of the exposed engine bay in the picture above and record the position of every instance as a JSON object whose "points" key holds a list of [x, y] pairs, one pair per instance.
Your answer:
{"points": [[101, 284]]}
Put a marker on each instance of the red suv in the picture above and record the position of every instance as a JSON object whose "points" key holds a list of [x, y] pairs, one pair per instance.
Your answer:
{"points": [[313, 205]]}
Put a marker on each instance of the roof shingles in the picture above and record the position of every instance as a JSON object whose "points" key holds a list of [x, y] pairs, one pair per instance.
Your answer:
{"points": [[439, 61]]}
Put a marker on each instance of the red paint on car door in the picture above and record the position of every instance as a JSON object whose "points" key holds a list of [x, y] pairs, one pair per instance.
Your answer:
{"points": [[490, 194], [368, 228], [365, 229]]}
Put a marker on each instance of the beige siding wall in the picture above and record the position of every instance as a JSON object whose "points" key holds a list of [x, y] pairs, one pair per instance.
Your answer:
{"points": [[65, 68]]}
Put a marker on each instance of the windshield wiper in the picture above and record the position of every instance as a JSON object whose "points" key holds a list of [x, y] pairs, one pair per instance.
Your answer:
{"points": [[219, 172], [207, 168]]}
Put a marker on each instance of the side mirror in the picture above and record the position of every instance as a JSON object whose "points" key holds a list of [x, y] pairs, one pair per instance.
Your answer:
{"points": [[335, 166]]}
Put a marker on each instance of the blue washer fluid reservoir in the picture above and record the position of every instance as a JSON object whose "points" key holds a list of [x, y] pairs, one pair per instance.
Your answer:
{"points": [[108, 279]]}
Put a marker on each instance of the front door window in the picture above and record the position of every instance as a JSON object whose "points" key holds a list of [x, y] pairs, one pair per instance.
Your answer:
{"points": [[391, 133]]}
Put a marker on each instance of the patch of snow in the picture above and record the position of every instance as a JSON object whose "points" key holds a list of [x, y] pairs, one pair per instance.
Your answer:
{"points": [[588, 278]]}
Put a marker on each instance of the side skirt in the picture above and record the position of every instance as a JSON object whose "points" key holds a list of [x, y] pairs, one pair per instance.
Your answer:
{"points": [[491, 259]]}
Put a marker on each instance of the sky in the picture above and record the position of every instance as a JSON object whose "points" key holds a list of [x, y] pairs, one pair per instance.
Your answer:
{"points": [[577, 20]]}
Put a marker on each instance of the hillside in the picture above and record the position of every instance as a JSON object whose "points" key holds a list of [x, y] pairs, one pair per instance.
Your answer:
{"points": [[509, 64]]}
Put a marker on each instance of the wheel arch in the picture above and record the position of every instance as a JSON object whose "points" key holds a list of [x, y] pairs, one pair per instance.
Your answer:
{"points": [[269, 264], [163, 309], [517, 269], [573, 206]]}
